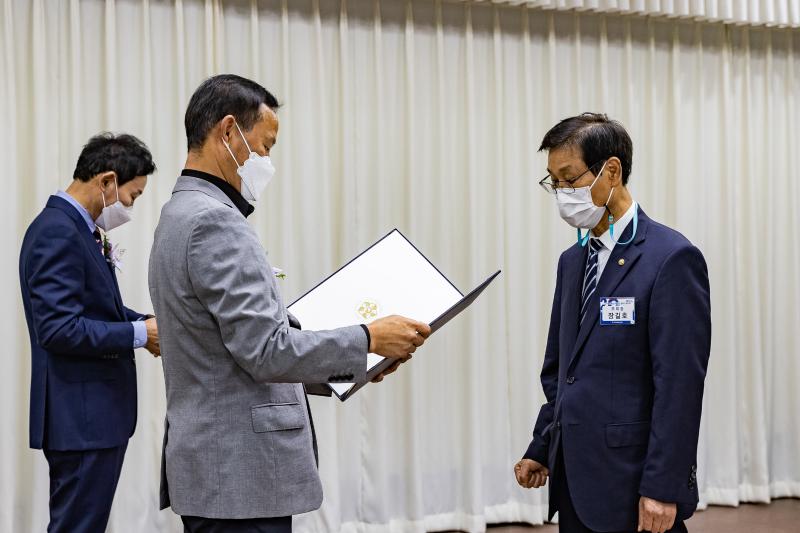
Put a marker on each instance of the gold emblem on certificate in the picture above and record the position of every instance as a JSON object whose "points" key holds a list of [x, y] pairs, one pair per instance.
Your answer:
{"points": [[368, 309]]}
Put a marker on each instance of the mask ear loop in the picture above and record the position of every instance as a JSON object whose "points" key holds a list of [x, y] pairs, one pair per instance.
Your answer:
{"points": [[242, 135], [228, 146], [610, 214], [103, 193]]}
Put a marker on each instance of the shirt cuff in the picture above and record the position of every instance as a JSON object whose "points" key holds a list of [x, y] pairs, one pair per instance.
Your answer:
{"points": [[369, 337], [139, 334]]}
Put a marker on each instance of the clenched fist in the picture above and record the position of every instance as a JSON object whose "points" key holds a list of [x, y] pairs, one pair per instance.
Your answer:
{"points": [[656, 516], [153, 344], [397, 337], [530, 474]]}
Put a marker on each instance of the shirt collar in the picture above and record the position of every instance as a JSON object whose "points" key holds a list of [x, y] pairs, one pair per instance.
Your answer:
{"points": [[80, 209], [619, 228], [230, 191]]}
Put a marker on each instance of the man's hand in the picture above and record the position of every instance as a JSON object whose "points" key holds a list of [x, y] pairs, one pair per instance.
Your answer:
{"points": [[397, 337], [655, 516], [530, 474], [152, 345], [390, 370]]}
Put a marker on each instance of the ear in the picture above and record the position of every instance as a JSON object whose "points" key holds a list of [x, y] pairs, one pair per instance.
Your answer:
{"points": [[227, 127], [105, 179], [614, 171]]}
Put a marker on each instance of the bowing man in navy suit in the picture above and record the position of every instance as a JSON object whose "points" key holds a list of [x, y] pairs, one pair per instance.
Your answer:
{"points": [[627, 349], [83, 379]]}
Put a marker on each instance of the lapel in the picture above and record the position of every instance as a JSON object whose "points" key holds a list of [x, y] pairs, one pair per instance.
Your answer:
{"points": [[108, 275], [117, 292], [613, 274], [573, 265]]}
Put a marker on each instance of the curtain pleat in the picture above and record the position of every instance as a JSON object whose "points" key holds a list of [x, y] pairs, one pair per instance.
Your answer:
{"points": [[777, 13]]}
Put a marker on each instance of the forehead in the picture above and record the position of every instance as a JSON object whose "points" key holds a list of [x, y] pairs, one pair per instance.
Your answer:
{"points": [[136, 184], [567, 158], [268, 123]]}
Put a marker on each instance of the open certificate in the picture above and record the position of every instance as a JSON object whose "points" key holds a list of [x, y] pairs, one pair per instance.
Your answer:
{"points": [[391, 277]]}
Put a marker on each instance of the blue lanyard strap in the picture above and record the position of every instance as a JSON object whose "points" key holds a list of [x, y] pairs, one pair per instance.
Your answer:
{"points": [[583, 239], [635, 227]]}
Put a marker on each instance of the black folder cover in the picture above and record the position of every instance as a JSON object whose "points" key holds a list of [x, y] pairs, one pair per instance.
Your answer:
{"points": [[437, 323]]}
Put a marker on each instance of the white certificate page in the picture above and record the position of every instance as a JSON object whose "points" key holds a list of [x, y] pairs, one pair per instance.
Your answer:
{"points": [[390, 278]]}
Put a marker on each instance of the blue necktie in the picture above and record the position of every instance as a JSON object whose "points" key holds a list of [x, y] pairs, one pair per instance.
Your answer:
{"points": [[590, 276]]}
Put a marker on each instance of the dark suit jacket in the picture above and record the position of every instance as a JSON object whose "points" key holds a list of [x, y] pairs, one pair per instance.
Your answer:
{"points": [[83, 376], [624, 402]]}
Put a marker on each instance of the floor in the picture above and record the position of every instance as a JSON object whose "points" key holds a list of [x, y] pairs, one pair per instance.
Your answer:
{"points": [[781, 516]]}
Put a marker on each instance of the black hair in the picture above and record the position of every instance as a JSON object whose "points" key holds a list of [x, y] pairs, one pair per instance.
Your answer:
{"points": [[220, 96], [596, 136], [124, 154]]}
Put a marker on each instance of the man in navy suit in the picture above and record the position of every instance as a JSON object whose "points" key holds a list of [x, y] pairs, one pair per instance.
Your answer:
{"points": [[627, 349], [83, 379]]}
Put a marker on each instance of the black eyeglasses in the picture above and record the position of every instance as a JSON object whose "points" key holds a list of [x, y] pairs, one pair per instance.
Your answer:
{"points": [[551, 185]]}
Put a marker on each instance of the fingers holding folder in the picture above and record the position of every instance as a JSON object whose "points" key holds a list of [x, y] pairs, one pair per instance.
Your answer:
{"points": [[396, 337]]}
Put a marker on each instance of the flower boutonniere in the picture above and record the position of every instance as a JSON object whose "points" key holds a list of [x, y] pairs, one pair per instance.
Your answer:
{"points": [[280, 274], [112, 253]]}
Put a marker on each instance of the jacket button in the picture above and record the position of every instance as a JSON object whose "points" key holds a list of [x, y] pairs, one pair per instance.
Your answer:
{"points": [[571, 380], [558, 424]]}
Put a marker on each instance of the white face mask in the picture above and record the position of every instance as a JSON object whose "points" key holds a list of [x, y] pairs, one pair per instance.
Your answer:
{"points": [[256, 172], [577, 208], [114, 215]]}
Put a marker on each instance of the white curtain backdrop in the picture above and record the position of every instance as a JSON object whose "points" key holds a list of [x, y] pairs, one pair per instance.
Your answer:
{"points": [[426, 116], [779, 13]]}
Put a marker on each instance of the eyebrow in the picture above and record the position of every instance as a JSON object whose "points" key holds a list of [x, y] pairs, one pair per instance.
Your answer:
{"points": [[562, 169]]}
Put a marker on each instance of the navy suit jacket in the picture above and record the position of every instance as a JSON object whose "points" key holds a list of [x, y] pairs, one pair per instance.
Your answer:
{"points": [[624, 402], [83, 375]]}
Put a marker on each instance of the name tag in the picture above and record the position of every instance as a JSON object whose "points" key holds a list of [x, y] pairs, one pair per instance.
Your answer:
{"points": [[615, 311]]}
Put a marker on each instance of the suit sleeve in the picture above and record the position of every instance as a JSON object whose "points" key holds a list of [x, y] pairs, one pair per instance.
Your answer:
{"points": [[540, 443], [312, 389], [680, 342], [54, 273], [231, 277], [133, 316]]}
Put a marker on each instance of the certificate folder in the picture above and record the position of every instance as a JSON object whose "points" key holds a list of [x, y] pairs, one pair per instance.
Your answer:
{"points": [[391, 277]]}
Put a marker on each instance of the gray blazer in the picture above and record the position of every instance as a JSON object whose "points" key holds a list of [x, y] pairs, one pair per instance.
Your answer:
{"points": [[238, 441]]}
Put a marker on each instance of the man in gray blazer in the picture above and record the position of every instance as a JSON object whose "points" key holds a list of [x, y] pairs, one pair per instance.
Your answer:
{"points": [[239, 446]]}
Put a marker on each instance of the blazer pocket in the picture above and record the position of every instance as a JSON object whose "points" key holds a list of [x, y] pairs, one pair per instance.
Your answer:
{"points": [[628, 434], [82, 371], [277, 417]]}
